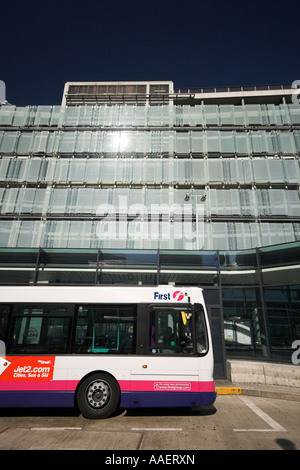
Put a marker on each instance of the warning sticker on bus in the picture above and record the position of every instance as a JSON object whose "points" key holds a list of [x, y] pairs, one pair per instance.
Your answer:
{"points": [[26, 368]]}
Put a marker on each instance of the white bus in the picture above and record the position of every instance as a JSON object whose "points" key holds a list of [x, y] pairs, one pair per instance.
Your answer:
{"points": [[100, 348]]}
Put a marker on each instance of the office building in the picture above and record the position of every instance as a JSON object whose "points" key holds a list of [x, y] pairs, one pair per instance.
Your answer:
{"points": [[142, 183]]}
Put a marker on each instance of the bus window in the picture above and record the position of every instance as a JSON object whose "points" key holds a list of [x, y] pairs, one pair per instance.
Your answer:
{"points": [[171, 331], [201, 332], [4, 313], [105, 329], [40, 330]]}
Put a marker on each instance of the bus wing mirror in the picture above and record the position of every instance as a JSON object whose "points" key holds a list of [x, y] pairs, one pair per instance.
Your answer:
{"points": [[185, 316]]}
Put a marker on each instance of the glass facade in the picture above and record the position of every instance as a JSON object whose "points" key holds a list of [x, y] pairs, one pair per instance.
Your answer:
{"points": [[180, 191]]}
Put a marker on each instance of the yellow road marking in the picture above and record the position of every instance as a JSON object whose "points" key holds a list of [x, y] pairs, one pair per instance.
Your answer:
{"points": [[229, 390]]}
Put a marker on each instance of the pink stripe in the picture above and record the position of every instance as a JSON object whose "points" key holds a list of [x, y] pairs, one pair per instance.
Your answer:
{"points": [[125, 385], [166, 386], [55, 385]]}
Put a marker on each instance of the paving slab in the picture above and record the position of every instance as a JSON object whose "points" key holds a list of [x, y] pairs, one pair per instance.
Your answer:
{"points": [[67, 439]]}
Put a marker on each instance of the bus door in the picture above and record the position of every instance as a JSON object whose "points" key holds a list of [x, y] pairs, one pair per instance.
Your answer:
{"points": [[172, 362]]}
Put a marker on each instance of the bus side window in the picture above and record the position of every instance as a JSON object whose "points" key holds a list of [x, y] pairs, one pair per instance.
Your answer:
{"points": [[109, 329], [201, 332], [4, 313], [40, 330]]}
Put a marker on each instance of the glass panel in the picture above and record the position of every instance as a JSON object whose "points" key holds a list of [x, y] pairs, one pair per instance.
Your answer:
{"points": [[7, 115], [260, 170], [294, 111], [211, 115], [275, 171], [71, 116], [291, 170], [20, 116], [140, 118], [226, 115], [283, 254], [84, 201], [56, 234], [67, 142], [25, 143], [59, 201], [242, 143], [183, 260], [127, 115], [283, 319], [57, 115], [286, 143], [199, 171], [9, 142], [273, 115], [92, 170], [25, 200], [215, 170], [86, 115], [277, 201], [4, 166], [220, 237], [239, 116], [29, 234], [253, 114], [108, 171], [43, 116], [35, 167], [77, 170], [53, 142], [83, 142], [213, 141], [243, 322], [39, 144], [227, 142], [61, 170], [9, 200], [182, 143], [80, 234], [293, 203], [197, 142]]}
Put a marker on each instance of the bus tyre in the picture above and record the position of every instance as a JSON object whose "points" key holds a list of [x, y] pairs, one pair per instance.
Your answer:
{"points": [[98, 396]]}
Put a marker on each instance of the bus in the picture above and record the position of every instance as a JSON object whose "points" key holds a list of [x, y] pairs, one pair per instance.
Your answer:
{"points": [[100, 348]]}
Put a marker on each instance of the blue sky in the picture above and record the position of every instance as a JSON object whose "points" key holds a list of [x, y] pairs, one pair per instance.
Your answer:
{"points": [[193, 43]]}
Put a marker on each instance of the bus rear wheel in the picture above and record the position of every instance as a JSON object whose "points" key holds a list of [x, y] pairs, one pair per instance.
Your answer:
{"points": [[98, 396]]}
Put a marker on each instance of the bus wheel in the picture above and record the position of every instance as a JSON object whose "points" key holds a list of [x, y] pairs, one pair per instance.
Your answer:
{"points": [[98, 396]]}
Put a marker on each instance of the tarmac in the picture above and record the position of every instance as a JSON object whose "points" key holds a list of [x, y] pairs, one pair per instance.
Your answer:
{"points": [[260, 379]]}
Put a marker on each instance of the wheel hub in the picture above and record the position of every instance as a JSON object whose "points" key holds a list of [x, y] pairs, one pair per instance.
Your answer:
{"points": [[98, 394]]}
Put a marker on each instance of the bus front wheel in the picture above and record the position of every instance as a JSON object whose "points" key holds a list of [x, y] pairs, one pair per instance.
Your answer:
{"points": [[98, 396]]}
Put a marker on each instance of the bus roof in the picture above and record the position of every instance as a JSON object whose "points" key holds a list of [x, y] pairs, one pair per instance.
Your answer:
{"points": [[100, 294]]}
